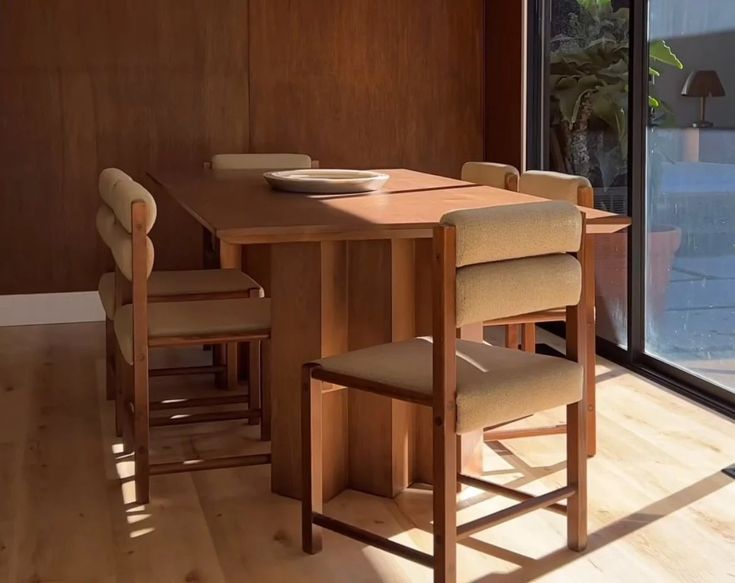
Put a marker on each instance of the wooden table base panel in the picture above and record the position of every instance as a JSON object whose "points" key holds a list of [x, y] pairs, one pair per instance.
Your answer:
{"points": [[309, 321]]}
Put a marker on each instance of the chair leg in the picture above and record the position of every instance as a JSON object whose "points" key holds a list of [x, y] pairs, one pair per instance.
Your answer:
{"points": [[311, 461], [512, 336], [577, 476], [141, 429], [119, 385], [110, 351], [445, 452], [232, 357], [529, 337], [126, 398], [219, 357], [265, 394], [255, 387]]}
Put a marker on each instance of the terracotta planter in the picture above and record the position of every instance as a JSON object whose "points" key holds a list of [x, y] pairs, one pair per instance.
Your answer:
{"points": [[612, 279]]}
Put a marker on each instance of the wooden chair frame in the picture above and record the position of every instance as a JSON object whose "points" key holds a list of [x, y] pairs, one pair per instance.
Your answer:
{"points": [[222, 367], [520, 332], [446, 475], [133, 405]]}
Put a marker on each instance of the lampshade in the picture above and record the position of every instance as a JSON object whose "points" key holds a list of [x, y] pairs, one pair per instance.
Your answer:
{"points": [[703, 84]]}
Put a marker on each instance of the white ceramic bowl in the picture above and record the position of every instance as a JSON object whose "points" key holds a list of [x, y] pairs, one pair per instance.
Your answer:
{"points": [[323, 181]]}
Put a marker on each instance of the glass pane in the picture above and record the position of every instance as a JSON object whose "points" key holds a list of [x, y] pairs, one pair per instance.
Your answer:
{"points": [[690, 255], [588, 91]]}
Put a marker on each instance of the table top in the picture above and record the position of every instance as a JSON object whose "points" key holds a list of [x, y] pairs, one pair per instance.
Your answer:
{"points": [[239, 207]]}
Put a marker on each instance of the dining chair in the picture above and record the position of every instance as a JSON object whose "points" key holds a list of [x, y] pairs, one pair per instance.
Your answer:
{"points": [[257, 161], [140, 325], [554, 186], [491, 174], [486, 265], [186, 285], [270, 161], [522, 329], [502, 176]]}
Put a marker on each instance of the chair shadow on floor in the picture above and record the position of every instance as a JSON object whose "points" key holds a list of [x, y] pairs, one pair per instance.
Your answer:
{"points": [[532, 569]]}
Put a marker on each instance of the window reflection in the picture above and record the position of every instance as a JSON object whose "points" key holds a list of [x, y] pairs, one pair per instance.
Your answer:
{"points": [[690, 285]]}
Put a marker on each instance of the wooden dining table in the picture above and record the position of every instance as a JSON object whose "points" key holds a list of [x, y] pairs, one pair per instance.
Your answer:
{"points": [[346, 272]]}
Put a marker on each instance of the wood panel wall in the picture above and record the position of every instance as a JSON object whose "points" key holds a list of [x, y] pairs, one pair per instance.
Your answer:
{"points": [[86, 84], [505, 87]]}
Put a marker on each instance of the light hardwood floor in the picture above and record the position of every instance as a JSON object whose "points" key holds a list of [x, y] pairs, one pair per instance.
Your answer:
{"points": [[660, 508]]}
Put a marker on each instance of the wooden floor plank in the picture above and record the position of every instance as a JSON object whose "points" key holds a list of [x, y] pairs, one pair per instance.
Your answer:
{"points": [[660, 509]]}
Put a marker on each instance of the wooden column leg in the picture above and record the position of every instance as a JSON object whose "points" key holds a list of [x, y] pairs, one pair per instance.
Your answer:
{"points": [[512, 336], [381, 309], [591, 352], [311, 456], [254, 380], [577, 476], [141, 429], [529, 337], [309, 294], [110, 351]]}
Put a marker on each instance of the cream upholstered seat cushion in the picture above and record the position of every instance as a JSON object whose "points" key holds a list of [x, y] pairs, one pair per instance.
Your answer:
{"points": [[494, 385], [488, 173], [184, 283], [198, 319], [256, 161], [552, 185]]}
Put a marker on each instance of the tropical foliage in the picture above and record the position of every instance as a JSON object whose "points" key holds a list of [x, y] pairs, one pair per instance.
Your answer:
{"points": [[589, 90]]}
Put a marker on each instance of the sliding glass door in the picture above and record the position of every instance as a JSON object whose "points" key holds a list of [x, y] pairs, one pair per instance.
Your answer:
{"points": [[639, 97], [578, 118], [690, 189]]}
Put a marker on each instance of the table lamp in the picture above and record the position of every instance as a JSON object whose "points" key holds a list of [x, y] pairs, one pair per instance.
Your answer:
{"points": [[703, 84]]}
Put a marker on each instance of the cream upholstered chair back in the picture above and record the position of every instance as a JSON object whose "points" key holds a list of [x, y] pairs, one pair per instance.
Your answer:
{"points": [[255, 161], [557, 186], [491, 174], [515, 259], [116, 220]]}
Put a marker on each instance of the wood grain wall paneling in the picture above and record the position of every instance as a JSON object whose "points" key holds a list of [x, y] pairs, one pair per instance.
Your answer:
{"points": [[86, 84], [505, 72], [93, 83], [380, 83]]}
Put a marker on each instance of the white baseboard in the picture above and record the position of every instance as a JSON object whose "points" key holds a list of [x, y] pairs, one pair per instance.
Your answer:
{"points": [[62, 308]]}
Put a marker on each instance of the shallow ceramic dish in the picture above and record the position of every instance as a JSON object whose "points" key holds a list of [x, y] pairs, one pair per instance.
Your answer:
{"points": [[322, 181]]}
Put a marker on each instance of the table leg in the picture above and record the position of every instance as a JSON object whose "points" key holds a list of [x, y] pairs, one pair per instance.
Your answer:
{"points": [[309, 320], [381, 309]]}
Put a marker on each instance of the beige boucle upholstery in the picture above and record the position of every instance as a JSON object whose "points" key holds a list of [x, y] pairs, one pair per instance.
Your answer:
{"points": [[494, 385], [552, 185], [199, 319], [491, 291], [255, 161], [108, 178], [488, 173], [513, 231], [105, 220], [121, 246], [120, 199], [183, 283]]}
